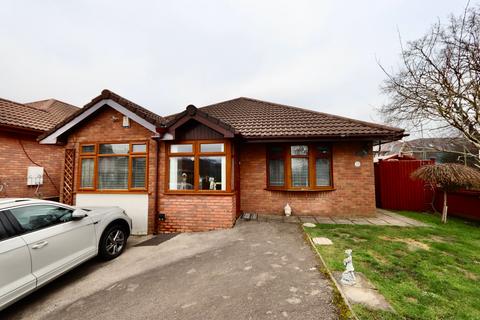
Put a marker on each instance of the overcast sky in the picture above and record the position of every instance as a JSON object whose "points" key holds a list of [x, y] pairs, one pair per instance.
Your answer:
{"points": [[165, 55]]}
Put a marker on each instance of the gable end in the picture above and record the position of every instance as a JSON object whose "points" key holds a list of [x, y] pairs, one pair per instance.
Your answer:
{"points": [[52, 137]]}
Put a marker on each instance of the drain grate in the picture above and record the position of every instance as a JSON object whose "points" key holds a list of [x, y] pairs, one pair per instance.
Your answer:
{"points": [[158, 239]]}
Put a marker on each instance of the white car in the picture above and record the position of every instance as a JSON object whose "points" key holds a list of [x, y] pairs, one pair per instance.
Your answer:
{"points": [[40, 240]]}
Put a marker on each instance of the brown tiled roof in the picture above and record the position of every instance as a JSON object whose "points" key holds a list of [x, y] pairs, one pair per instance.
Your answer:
{"points": [[142, 112], [255, 119], [59, 110], [36, 116], [107, 94], [260, 119]]}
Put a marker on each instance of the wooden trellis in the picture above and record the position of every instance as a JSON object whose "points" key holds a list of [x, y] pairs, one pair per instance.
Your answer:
{"points": [[68, 177]]}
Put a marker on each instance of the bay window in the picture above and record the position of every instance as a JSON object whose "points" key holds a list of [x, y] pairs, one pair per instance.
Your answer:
{"points": [[199, 166], [299, 167], [113, 167]]}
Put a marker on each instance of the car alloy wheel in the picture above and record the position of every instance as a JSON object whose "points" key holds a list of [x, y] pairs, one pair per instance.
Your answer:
{"points": [[115, 242]]}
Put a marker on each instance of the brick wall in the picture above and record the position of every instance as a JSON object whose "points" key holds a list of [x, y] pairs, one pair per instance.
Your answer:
{"points": [[14, 164], [354, 193], [197, 212]]}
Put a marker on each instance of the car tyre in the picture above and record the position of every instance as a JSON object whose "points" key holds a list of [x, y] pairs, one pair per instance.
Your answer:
{"points": [[112, 242]]}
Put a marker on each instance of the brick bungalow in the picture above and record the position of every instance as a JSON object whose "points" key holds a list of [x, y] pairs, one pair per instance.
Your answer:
{"points": [[20, 125], [198, 169]]}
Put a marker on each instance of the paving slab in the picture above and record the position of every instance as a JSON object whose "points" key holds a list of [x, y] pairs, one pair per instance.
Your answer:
{"points": [[342, 221], [395, 222], [324, 220], [385, 214], [307, 219], [274, 217], [291, 219], [382, 218], [378, 222], [322, 241], [360, 221], [363, 292]]}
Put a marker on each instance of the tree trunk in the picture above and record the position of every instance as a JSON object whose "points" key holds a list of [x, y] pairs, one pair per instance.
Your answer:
{"points": [[445, 207]]}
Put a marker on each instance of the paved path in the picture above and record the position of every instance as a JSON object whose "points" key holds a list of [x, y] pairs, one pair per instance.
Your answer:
{"points": [[382, 218], [253, 271]]}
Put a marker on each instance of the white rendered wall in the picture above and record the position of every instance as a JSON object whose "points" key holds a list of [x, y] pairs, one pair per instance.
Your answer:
{"points": [[135, 205]]}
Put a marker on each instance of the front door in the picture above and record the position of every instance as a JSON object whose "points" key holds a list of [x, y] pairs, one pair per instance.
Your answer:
{"points": [[55, 241]]}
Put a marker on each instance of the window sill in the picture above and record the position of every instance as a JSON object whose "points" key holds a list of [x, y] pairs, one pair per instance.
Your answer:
{"points": [[196, 193], [112, 191], [301, 190]]}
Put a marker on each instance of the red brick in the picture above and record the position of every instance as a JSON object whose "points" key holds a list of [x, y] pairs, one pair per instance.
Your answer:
{"points": [[354, 192], [14, 164]]}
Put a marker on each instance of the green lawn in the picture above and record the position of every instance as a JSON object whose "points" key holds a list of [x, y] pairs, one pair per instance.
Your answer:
{"points": [[425, 273]]}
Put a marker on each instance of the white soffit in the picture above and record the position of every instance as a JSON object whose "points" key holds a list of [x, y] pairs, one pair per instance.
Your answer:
{"points": [[52, 138]]}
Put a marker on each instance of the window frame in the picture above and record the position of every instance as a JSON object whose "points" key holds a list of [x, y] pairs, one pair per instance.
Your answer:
{"points": [[96, 156], [312, 156], [196, 154]]}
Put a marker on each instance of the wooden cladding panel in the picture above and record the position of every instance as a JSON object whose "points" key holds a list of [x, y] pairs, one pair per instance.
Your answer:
{"points": [[192, 130]]}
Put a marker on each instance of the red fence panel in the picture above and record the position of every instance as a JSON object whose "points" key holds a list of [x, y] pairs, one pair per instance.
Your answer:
{"points": [[396, 190], [463, 203]]}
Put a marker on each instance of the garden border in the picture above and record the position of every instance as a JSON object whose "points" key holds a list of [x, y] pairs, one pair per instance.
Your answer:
{"points": [[332, 278]]}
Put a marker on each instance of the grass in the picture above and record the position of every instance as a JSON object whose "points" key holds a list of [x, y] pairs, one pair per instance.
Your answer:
{"points": [[425, 273]]}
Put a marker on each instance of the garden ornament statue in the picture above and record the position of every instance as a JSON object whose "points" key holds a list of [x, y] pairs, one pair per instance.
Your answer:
{"points": [[183, 182], [288, 210], [348, 276], [212, 183]]}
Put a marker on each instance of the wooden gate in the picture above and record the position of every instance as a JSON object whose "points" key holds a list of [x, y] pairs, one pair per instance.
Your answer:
{"points": [[66, 195]]}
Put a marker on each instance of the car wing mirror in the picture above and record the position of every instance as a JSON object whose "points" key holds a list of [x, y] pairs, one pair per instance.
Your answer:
{"points": [[78, 214]]}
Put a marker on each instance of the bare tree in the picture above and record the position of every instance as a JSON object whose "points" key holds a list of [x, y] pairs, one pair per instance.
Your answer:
{"points": [[439, 78]]}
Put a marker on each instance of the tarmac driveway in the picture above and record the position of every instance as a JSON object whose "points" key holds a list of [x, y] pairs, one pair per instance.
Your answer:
{"points": [[254, 271]]}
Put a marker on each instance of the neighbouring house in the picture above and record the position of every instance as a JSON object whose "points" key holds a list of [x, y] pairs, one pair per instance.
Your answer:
{"points": [[198, 169], [28, 169], [442, 150]]}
